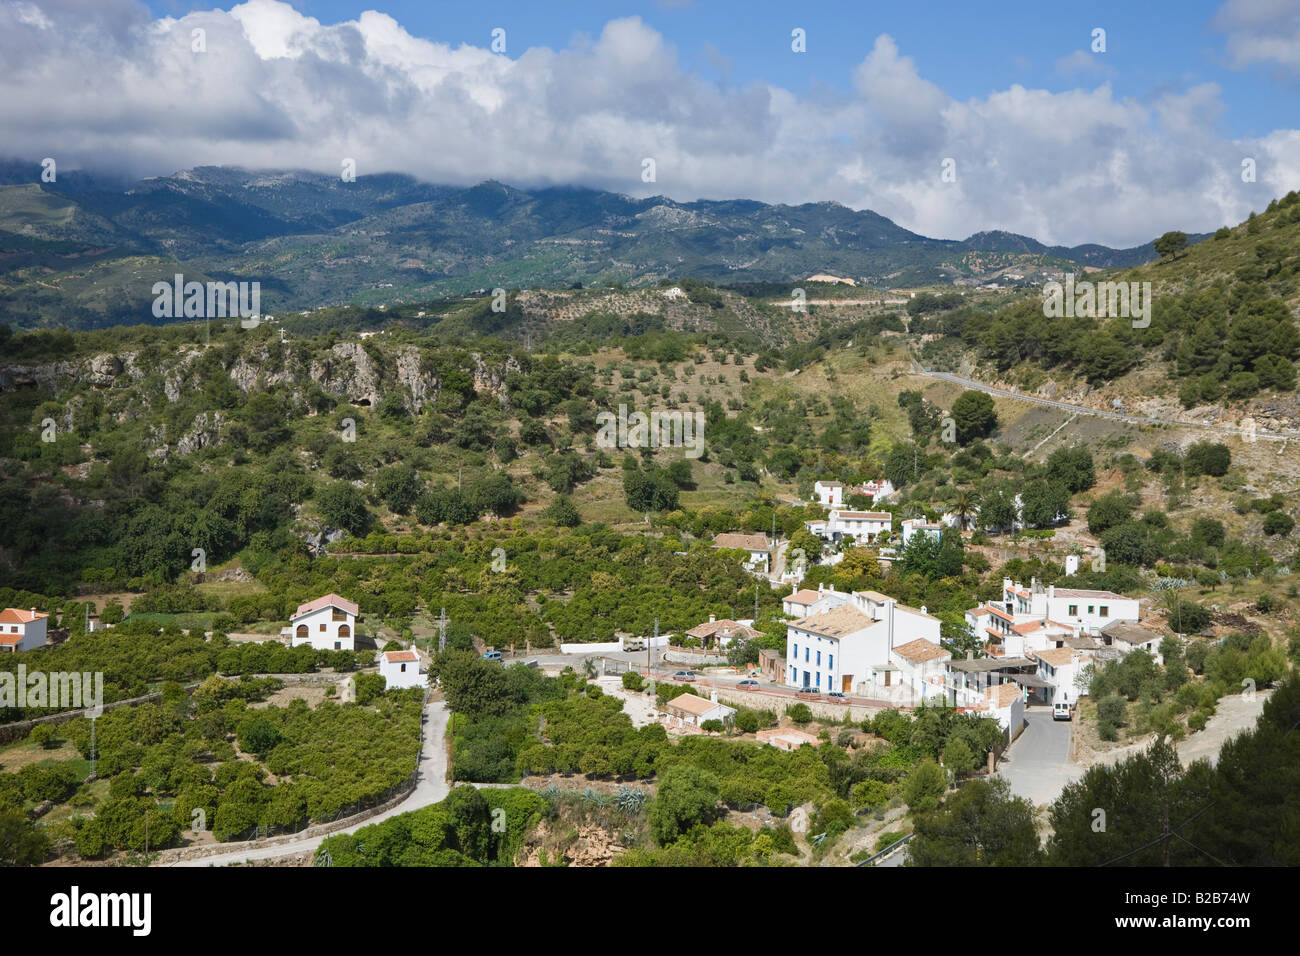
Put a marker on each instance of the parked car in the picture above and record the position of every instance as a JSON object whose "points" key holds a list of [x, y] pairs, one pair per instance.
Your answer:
{"points": [[838, 695], [1060, 711], [747, 684], [633, 644], [492, 656], [807, 691], [684, 675]]}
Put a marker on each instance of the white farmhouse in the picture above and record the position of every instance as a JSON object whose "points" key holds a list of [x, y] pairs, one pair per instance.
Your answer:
{"points": [[400, 669], [830, 494], [863, 526], [919, 526], [921, 666], [805, 602], [756, 544], [22, 630], [1058, 668], [328, 623], [688, 709]]}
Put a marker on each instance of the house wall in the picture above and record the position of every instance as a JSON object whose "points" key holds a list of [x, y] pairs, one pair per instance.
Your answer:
{"points": [[324, 640], [32, 634], [395, 676]]}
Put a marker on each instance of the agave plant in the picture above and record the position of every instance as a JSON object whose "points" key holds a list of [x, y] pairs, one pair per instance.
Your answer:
{"points": [[630, 800]]}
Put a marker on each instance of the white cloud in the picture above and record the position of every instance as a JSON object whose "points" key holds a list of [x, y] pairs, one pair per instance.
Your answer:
{"points": [[1261, 31], [105, 84]]}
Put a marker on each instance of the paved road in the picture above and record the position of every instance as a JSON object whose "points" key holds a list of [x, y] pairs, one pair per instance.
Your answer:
{"points": [[1038, 764], [1102, 413], [430, 787]]}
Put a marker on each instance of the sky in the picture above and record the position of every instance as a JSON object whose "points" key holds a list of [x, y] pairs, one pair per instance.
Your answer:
{"points": [[1105, 122]]}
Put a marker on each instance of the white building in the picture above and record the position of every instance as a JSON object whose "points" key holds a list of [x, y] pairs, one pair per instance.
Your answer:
{"points": [[400, 669], [688, 709], [849, 647], [878, 491], [756, 544], [1058, 668], [919, 526], [328, 623], [863, 526], [1034, 618], [921, 666], [829, 494], [1131, 637], [22, 630], [805, 602], [720, 634]]}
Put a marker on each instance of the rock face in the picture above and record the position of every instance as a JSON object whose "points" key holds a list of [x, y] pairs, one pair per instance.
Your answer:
{"points": [[420, 387], [202, 433], [492, 377], [349, 373], [104, 370]]}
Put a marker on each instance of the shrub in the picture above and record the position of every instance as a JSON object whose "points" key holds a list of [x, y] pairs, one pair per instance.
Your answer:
{"points": [[633, 681], [712, 726], [799, 713]]}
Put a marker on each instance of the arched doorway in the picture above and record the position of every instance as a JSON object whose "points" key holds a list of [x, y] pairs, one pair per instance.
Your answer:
{"points": [[301, 632], [344, 631]]}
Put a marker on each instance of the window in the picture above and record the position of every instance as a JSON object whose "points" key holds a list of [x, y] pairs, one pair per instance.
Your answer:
{"points": [[796, 652], [805, 655], [1089, 608], [339, 615], [819, 658], [1074, 610], [322, 627], [1105, 610], [403, 668], [830, 661]]}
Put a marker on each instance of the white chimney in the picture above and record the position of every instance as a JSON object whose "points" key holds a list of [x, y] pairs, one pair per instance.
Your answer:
{"points": [[924, 609], [1051, 592], [889, 616], [821, 588]]}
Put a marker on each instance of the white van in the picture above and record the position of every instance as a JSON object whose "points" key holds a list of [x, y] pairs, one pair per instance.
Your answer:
{"points": [[1060, 711]]}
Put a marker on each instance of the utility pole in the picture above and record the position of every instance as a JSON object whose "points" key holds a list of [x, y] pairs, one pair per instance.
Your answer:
{"points": [[92, 746], [458, 471], [650, 650], [442, 631], [755, 602]]}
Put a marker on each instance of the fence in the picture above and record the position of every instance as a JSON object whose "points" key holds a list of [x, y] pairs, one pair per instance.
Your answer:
{"points": [[870, 861]]}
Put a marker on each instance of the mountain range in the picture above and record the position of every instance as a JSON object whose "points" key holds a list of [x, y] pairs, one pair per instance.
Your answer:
{"points": [[85, 250]]}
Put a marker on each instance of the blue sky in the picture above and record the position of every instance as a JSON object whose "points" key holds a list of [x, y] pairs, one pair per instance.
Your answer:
{"points": [[1152, 45], [1189, 119]]}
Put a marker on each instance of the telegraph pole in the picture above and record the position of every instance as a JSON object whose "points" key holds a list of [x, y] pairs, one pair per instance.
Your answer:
{"points": [[442, 630]]}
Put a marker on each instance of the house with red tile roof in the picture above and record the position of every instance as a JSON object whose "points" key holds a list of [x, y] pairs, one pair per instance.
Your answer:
{"points": [[22, 630], [400, 669], [328, 623]]}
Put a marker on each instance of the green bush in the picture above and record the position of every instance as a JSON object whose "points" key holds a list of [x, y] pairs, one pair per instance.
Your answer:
{"points": [[799, 713], [632, 680]]}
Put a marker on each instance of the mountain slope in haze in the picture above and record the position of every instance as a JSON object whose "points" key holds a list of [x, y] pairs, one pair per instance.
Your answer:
{"points": [[312, 239]]}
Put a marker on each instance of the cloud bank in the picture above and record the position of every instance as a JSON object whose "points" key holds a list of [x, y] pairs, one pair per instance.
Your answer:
{"points": [[106, 85]]}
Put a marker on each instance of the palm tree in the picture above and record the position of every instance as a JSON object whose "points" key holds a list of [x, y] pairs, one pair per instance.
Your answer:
{"points": [[965, 506]]}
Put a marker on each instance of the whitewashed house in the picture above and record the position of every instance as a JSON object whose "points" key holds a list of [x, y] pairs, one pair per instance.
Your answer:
{"points": [[757, 545], [921, 667], [878, 491], [22, 630], [1131, 637], [804, 602], [720, 634], [830, 494], [1058, 668], [919, 526], [849, 647], [863, 526], [400, 669], [328, 623], [690, 710]]}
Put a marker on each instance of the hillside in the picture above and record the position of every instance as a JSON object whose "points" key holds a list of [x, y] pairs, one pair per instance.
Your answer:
{"points": [[85, 252]]}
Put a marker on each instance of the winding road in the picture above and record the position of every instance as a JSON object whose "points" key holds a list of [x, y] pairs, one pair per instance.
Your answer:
{"points": [[1103, 413]]}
